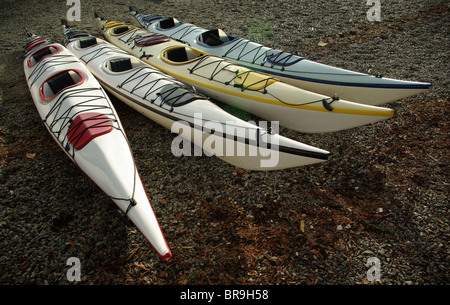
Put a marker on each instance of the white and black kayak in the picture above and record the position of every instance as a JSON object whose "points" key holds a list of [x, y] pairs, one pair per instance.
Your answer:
{"points": [[179, 108], [257, 93], [290, 68], [81, 119]]}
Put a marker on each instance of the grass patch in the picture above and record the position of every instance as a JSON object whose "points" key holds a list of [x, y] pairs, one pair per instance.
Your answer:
{"points": [[259, 30]]}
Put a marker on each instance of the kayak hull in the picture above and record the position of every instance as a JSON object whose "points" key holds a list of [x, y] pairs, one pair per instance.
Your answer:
{"points": [[292, 69], [79, 116], [199, 121], [246, 89]]}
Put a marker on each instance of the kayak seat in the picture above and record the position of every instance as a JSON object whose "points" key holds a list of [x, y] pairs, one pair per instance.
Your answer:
{"points": [[177, 55], [87, 126], [181, 54], [215, 37], [61, 81], [58, 82], [41, 53], [120, 30], [38, 56], [168, 23], [85, 43], [120, 64], [280, 58]]}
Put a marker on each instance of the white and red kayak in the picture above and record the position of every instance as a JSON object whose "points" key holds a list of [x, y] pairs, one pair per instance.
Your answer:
{"points": [[81, 119], [182, 110]]}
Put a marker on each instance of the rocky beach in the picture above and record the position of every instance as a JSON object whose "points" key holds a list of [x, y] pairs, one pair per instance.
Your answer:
{"points": [[383, 193]]}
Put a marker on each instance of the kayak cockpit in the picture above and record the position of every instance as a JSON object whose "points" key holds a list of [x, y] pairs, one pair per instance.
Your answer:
{"points": [[119, 30], [122, 64], [181, 55], [214, 38], [86, 43], [168, 23], [41, 53], [59, 82]]}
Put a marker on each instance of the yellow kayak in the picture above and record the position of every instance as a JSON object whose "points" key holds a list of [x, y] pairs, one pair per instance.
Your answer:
{"points": [[260, 94], [292, 69]]}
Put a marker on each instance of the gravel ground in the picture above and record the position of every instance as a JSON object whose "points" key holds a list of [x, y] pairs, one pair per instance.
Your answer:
{"points": [[382, 194]]}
